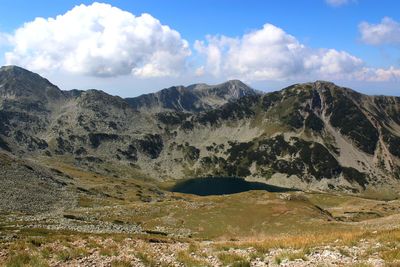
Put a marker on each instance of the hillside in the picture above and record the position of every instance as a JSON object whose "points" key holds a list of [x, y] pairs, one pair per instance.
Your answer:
{"points": [[315, 136], [87, 178]]}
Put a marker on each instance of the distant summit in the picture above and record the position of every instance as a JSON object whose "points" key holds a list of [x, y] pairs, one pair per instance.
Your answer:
{"points": [[19, 83], [193, 98]]}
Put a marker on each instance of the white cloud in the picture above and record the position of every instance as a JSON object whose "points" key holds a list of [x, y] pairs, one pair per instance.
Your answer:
{"points": [[391, 73], [5, 39], [331, 63], [200, 71], [337, 3], [99, 40], [272, 54], [378, 74], [385, 32]]}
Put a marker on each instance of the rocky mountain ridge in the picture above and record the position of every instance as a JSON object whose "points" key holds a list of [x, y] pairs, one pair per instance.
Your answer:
{"points": [[193, 98], [316, 136]]}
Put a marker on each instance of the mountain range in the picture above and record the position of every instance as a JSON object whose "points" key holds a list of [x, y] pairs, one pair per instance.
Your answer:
{"points": [[310, 136]]}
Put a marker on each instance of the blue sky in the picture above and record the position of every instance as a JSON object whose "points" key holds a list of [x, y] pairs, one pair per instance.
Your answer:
{"points": [[216, 40]]}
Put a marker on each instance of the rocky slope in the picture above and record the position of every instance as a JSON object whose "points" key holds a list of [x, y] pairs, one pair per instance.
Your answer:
{"points": [[28, 188], [311, 136], [193, 98]]}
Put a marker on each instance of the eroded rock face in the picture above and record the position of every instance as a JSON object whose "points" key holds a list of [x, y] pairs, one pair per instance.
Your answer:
{"points": [[312, 135]]}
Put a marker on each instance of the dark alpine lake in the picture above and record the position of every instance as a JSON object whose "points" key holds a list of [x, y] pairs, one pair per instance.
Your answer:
{"points": [[208, 186]]}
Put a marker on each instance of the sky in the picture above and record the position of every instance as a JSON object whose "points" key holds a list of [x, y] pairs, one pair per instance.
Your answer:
{"points": [[128, 48]]}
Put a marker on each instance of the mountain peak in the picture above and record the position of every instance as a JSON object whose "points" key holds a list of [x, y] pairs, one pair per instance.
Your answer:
{"points": [[324, 82], [193, 98], [13, 68], [236, 82], [19, 82], [321, 85], [12, 71]]}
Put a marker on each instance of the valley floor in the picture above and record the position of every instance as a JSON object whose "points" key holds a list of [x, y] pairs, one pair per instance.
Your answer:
{"points": [[128, 222]]}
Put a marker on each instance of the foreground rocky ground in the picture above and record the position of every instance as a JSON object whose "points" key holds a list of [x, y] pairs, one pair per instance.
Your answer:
{"points": [[349, 249], [76, 241], [98, 220]]}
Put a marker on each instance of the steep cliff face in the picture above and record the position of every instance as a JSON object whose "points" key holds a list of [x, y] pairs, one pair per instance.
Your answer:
{"points": [[313, 135]]}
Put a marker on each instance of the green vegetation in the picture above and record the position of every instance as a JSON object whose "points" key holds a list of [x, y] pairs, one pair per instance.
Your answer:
{"points": [[109, 251], [291, 256], [351, 121], [314, 123], [243, 263], [270, 99], [172, 118], [266, 152], [151, 145], [190, 153], [232, 259], [393, 142], [240, 109], [320, 161], [391, 255], [120, 263], [4, 145], [146, 259], [294, 119], [354, 175], [96, 139], [72, 253], [188, 260], [25, 259]]}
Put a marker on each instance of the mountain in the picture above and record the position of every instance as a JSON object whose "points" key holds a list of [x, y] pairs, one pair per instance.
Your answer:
{"points": [[193, 98], [21, 84], [312, 136]]}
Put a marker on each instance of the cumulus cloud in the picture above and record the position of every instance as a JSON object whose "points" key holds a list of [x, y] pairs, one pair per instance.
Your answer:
{"points": [[99, 40], [378, 74], [337, 3], [385, 32], [272, 54], [5, 39]]}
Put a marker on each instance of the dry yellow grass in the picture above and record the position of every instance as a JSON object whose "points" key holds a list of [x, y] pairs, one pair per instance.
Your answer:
{"points": [[188, 260], [266, 243], [68, 247], [252, 219], [228, 259]]}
